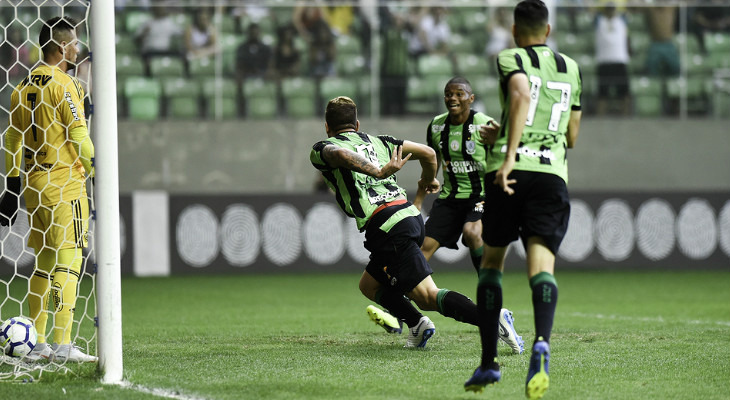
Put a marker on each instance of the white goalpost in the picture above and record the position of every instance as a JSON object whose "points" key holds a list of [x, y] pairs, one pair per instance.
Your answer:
{"points": [[98, 307]]}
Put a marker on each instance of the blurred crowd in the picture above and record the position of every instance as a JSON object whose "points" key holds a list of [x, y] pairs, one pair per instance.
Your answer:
{"points": [[277, 53]]}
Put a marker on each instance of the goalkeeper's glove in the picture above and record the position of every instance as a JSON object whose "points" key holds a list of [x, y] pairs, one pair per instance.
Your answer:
{"points": [[10, 201]]}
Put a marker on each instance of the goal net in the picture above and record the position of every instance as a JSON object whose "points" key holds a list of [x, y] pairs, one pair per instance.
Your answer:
{"points": [[20, 53]]}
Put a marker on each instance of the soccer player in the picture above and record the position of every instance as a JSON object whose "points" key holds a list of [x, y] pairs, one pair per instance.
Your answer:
{"points": [[359, 169], [525, 186], [47, 120], [454, 136]]}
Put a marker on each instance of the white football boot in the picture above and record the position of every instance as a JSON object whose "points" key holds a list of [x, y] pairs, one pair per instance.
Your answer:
{"points": [[418, 335], [69, 352], [507, 332]]}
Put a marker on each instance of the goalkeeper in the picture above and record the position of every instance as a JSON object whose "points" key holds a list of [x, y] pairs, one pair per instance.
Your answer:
{"points": [[47, 120], [359, 168]]}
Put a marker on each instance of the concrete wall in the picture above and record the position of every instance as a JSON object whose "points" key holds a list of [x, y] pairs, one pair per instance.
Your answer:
{"points": [[635, 155]]}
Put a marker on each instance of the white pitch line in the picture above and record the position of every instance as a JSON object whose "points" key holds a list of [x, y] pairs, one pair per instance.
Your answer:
{"points": [[645, 319], [166, 393]]}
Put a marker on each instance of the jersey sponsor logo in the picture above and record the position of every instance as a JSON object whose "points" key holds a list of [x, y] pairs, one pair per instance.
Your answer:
{"points": [[544, 154], [384, 196], [437, 128], [479, 207], [71, 105], [459, 167], [38, 80]]}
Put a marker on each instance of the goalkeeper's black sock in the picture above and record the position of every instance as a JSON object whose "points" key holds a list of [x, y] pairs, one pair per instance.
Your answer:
{"points": [[544, 300], [489, 305], [457, 306], [476, 257], [398, 306]]}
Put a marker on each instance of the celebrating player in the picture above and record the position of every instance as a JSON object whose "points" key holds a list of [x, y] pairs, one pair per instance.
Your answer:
{"points": [[359, 168], [47, 119], [455, 138], [525, 186]]}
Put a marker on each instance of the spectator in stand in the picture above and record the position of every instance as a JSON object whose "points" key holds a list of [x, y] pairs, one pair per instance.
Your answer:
{"points": [[431, 36], [662, 57], [322, 51], [612, 58], [201, 39], [287, 58], [500, 34], [394, 62], [159, 36], [253, 57], [709, 16]]}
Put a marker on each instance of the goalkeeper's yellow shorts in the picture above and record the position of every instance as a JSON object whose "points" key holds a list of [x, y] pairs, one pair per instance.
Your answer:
{"points": [[63, 226]]}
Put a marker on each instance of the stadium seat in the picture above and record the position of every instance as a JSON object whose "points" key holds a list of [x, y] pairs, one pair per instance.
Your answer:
{"points": [[225, 22], [350, 64], [143, 98], [204, 66], [220, 96], [718, 42], [125, 44], [167, 66], [262, 99], [435, 64], [461, 44], [473, 65], [473, 20], [332, 87], [425, 94], [299, 96], [486, 91], [348, 44], [133, 19], [130, 65], [182, 97], [647, 92]]}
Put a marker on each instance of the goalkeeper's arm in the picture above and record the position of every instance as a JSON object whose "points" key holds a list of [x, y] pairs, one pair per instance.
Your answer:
{"points": [[84, 148], [10, 201]]}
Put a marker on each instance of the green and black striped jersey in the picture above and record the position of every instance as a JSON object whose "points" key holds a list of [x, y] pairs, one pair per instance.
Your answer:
{"points": [[357, 194], [555, 90], [463, 157]]}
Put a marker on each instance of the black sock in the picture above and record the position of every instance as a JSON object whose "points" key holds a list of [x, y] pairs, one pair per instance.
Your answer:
{"points": [[399, 306], [489, 305], [457, 306], [544, 300], [476, 257]]}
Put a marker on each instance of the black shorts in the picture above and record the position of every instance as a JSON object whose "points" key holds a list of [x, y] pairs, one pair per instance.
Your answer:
{"points": [[447, 218], [396, 259], [613, 80], [540, 207]]}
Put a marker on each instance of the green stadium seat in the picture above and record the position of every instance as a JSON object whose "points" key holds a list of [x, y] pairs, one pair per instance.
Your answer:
{"points": [[473, 20], [718, 42], [125, 44], [647, 106], [143, 98], [220, 96], [203, 66], [263, 102], [473, 65], [182, 97], [299, 96], [167, 66], [425, 94], [435, 64], [332, 87], [461, 44], [225, 22], [350, 64], [130, 65], [689, 40], [486, 91], [133, 19], [693, 86], [648, 95], [348, 44]]}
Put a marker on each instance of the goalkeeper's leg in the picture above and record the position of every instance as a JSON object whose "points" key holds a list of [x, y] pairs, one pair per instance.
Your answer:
{"points": [[39, 289], [65, 281]]}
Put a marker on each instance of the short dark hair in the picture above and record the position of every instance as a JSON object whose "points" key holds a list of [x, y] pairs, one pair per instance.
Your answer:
{"points": [[530, 16], [459, 80], [52, 33], [341, 113]]}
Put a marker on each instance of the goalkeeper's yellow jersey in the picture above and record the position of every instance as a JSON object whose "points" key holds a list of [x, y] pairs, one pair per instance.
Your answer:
{"points": [[45, 107]]}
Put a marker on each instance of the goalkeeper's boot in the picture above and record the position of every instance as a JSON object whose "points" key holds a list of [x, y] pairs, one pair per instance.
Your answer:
{"points": [[71, 353], [41, 352], [507, 332], [382, 318], [537, 376], [418, 335], [482, 377]]}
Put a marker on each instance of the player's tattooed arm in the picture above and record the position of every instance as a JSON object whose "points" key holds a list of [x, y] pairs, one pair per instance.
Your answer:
{"points": [[345, 158]]}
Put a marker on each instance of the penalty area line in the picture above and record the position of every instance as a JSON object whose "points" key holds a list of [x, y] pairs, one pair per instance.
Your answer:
{"points": [[166, 393]]}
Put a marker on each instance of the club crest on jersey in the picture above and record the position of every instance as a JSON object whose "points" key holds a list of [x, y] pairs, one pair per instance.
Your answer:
{"points": [[455, 144], [471, 147]]}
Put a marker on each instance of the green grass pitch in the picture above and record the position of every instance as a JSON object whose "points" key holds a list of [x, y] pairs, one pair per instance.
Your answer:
{"points": [[617, 335]]}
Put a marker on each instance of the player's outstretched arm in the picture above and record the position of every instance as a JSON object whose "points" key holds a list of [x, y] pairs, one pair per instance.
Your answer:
{"points": [[348, 159], [429, 165], [573, 128]]}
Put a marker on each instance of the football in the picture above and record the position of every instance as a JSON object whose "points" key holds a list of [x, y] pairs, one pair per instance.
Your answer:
{"points": [[17, 337]]}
